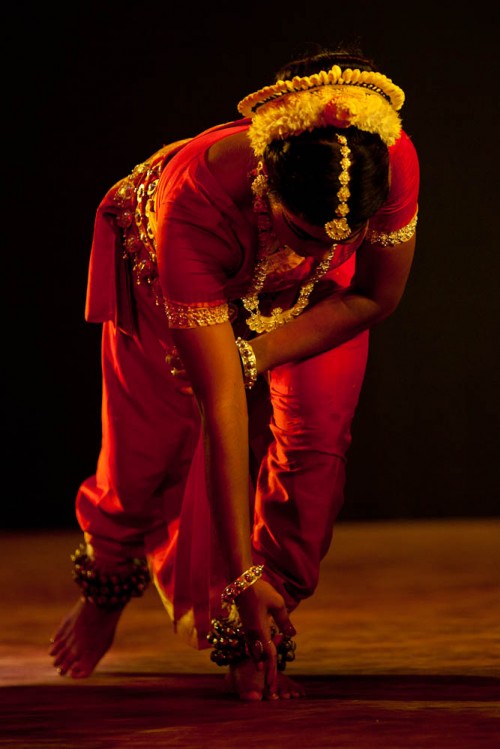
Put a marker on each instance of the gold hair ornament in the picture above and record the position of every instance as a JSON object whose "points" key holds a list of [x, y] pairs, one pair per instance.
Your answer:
{"points": [[364, 99], [338, 229]]}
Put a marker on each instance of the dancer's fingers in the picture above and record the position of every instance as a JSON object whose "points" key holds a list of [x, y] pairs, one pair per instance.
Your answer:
{"points": [[283, 622], [270, 671]]}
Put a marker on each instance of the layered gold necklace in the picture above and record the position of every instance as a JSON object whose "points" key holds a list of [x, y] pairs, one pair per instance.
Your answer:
{"points": [[256, 321]]}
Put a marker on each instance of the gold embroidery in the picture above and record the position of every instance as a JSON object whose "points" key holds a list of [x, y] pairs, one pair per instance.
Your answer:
{"points": [[135, 196], [394, 237], [186, 316]]}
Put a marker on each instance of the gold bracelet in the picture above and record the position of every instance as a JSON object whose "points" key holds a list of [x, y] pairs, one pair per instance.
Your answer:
{"points": [[244, 581], [248, 362]]}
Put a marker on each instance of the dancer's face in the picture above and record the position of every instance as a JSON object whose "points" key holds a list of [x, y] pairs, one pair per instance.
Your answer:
{"points": [[308, 240]]}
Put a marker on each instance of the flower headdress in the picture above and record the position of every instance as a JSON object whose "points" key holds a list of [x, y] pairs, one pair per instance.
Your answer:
{"points": [[366, 100]]}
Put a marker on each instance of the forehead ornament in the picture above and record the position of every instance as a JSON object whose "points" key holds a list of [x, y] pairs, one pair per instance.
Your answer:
{"points": [[338, 228]]}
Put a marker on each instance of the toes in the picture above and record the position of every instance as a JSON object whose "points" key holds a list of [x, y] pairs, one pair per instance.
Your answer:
{"points": [[62, 667], [272, 696], [251, 696], [56, 647], [60, 662], [65, 658], [58, 641], [79, 672], [289, 689], [62, 632], [74, 665], [61, 653]]}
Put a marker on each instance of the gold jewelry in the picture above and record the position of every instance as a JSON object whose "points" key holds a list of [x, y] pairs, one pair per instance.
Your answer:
{"points": [[338, 228], [393, 238], [265, 323], [255, 650], [248, 362], [365, 99], [244, 581]]}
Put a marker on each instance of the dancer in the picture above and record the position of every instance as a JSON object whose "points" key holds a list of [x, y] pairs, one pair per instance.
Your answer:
{"points": [[236, 275]]}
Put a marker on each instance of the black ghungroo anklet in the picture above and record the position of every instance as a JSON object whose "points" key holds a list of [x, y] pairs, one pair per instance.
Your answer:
{"points": [[231, 646], [109, 590]]}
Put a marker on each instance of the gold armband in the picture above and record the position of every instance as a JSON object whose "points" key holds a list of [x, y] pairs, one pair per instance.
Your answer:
{"points": [[392, 238]]}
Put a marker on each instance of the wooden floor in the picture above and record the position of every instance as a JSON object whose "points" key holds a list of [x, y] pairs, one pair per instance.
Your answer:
{"points": [[399, 649]]}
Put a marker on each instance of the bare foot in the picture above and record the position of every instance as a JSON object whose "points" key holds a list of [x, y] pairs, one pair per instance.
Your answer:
{"points": [[248, 682], [84, 636]]}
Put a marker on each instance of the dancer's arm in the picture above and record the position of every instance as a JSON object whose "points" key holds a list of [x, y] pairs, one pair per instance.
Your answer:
{"points": [[379, 282], [213, 366], [375, 292]]}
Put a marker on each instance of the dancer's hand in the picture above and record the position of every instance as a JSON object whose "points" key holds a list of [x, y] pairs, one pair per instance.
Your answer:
{"points": [[260, 608]]}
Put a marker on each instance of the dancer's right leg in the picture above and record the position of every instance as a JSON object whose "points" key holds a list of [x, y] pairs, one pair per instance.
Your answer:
{"points": [[149, 430]]}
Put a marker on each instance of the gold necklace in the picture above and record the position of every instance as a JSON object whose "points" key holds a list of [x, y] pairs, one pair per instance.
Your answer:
{"points": [[256, 321]]}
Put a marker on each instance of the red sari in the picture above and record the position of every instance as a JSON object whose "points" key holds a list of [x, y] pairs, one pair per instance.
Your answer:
{"points": [[169, 237]]}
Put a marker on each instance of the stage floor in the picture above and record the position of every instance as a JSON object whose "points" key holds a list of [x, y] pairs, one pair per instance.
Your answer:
{"points": [[398, 649]]}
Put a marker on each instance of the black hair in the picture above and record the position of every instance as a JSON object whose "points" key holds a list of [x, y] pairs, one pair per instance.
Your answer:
{"points": [[303, 170], [346, 56]]}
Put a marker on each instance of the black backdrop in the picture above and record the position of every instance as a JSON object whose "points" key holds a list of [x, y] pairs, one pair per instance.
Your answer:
{"points": [[91, 89]]}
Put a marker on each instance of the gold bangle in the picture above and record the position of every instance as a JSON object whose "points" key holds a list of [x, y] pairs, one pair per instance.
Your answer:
{"points": [[244, 581], [248, 362]]}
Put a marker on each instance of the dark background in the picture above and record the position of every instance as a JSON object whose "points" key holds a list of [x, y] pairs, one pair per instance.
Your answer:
{"points": [[91, 89]]}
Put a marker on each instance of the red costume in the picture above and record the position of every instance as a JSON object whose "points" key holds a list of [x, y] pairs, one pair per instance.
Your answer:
{"points": [[168, 237]]}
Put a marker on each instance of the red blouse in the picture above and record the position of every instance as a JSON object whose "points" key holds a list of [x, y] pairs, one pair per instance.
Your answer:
{"points": [[187, 238], [207, 249]]}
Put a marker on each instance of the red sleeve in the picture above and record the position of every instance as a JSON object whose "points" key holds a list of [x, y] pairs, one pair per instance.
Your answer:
{"points": [[401, 205], [198, 244]]}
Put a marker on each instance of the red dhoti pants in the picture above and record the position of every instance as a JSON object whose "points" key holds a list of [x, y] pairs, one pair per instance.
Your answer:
{"points": [[148, 496]]}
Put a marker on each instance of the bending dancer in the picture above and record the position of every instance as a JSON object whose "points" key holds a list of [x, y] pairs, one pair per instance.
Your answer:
{"points": [[236, 275]]}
